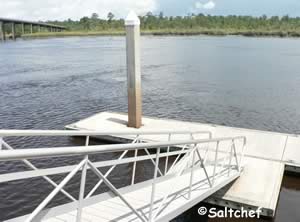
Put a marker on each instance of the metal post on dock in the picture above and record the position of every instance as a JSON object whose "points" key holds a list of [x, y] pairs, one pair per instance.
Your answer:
{"points": [[132, 24], [2, 31]]}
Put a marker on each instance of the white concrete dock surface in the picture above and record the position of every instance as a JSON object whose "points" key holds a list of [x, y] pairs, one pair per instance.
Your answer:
{"points": [[266, 156]]}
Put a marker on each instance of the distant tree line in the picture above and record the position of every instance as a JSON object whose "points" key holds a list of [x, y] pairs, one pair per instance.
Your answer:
{"points": [[192, 21], [192, 24]]}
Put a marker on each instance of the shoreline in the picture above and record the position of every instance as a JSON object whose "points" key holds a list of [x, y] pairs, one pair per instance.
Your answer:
{"points": [[245, 33]]}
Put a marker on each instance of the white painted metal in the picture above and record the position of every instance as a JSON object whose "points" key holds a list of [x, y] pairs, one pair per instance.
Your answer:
{"points": [[113, 189], [54, 192], [171, 189], [30, 165], [1, 142], [78, 150], [192, 175], [60, 170], [82, 188], [154, 185], [35, 133], [156, 207], [167, 158], [267, 155], [134, 167]]}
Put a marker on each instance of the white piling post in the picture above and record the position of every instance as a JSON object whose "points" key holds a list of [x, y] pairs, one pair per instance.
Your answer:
{"points": [[132, 24]]}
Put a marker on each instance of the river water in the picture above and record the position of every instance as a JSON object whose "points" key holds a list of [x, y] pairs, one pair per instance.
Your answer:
{"points": [[232, 81]]}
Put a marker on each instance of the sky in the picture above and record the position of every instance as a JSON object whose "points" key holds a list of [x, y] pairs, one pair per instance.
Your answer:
{"points": [[75, 9]]}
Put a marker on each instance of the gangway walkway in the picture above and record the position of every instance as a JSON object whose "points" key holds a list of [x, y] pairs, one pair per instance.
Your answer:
{"points": [[201, 167]]}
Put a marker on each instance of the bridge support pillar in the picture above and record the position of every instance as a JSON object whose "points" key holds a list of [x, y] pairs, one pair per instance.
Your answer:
{"points": [[31, 28], [23, 28], [132, 24], [2, 31], [39, 27], [13, 30]]}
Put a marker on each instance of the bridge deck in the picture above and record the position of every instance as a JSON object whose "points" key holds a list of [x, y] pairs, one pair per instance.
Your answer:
{"points": [[18, 21], [266, 156], [113, 209]]}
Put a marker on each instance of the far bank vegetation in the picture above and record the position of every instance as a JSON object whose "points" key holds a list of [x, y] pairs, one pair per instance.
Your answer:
{"points": [[192, 24]]}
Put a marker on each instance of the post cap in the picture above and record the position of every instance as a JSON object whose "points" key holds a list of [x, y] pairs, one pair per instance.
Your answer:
{"points": [[132, 19]]}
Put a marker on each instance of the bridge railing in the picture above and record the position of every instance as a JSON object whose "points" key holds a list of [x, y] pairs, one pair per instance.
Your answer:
{"points": [[189, 151]]}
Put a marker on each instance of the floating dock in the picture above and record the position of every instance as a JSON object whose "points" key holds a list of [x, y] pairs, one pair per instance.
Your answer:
{"points": [[267, 156]]}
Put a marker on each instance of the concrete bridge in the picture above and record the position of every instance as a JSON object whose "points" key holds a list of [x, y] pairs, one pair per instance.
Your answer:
{"points": [[39, 27]]}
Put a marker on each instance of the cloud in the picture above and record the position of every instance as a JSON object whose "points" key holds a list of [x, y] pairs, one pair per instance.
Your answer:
{"points": [[74, 9], [208, 5]]}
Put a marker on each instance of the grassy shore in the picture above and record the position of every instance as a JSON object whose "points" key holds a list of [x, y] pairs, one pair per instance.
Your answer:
{"points": [[172, 32]]}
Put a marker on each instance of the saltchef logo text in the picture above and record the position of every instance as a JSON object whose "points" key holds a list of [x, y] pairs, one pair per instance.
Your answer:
{"points": [[229, 213]]}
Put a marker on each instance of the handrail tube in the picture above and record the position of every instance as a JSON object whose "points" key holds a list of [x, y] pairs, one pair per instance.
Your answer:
{"points": [[105, 175], [215, 163], [148, 153], [83, 150], [66, 169], [191, 176], [235, 156], [190, 147], [82, 189], [167, 158], [180, 171], [134, 164], [150, 219], [230, 160], [33, 167], [54, 192], [204, 168], [114, 190], [14, 133]]}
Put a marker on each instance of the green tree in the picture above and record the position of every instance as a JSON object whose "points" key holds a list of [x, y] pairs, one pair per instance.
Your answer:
{"points": [[149, 14], [95, 16], [161, 15], [85, 22], [202, 24], [110, 16]]}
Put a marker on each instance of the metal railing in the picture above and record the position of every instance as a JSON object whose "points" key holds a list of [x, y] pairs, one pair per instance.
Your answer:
{"points": [[188, 157]]}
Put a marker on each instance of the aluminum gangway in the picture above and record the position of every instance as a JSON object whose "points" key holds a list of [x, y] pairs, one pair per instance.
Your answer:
{"points": [[198, 168]]}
